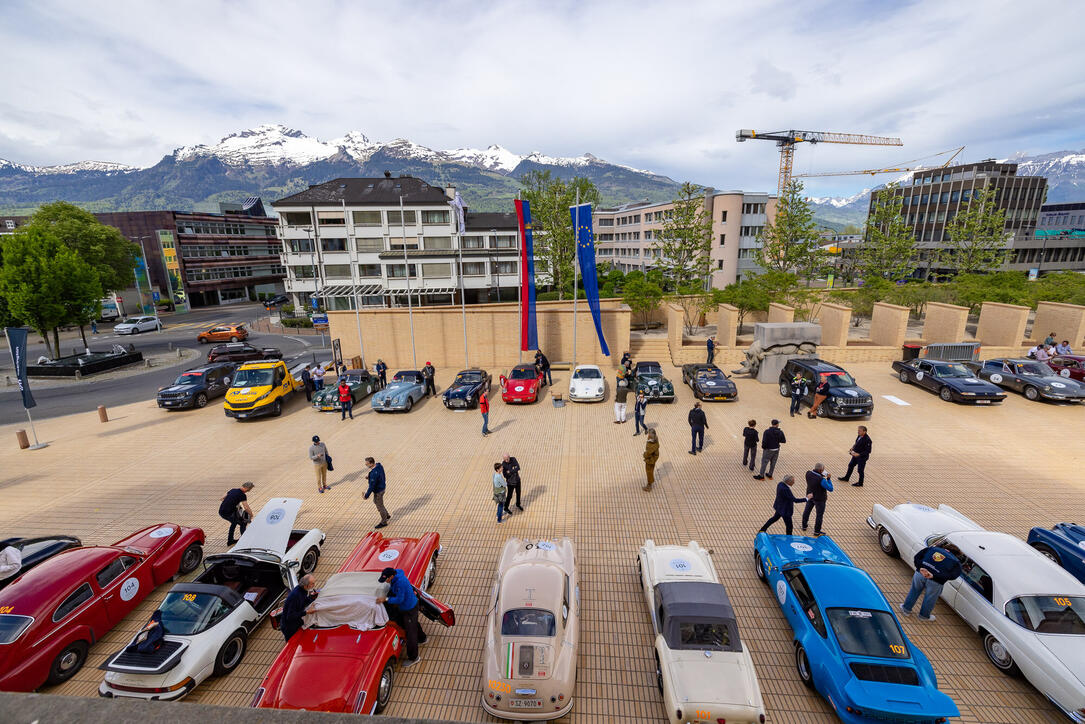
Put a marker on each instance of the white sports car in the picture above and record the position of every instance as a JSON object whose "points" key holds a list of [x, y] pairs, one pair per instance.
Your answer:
{"points": [[703, 669], [1029, 611], [207, 622], [587, 384]]}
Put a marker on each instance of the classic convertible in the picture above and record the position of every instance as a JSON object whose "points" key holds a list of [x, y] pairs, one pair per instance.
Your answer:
{"points": [[1029, 612], [704, 670], [466, 388], [26, 553], [648, 378], [951, 380], [361, 382], [849, 645], [1064, 544], [1033, 379], [522, 384], [709, 382], [1068, 365], [207, 622], [405, 389]]}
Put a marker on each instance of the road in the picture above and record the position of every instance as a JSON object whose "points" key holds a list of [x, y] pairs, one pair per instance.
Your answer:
{"points": [[179, 330]]}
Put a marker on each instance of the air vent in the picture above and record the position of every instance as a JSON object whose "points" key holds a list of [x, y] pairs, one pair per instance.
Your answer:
{"points": [[526, 661], [886, 674]]}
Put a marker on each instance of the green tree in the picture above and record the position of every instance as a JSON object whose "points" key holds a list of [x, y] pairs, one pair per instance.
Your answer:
{"points": [[101, 246], [889, 249], [642, 297], [977, 235], [685, 240], [790, 242], [694, 300], [748, 295], [851, 229], [555, 247]]}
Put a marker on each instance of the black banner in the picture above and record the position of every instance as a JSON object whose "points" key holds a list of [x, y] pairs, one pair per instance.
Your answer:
{"points": [[17, 344]]}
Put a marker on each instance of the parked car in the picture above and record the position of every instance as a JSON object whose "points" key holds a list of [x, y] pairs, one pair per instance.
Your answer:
{"points": [[405, 389], [587, 384], [361, 382], [952, 381], [28, 552], [135, 325], [223, 333], [194, 387], [709, 382], [846, 398], [344, 663], [521, 385], [242, 352], [466, 388], [532, 632], [260, 388], [1031, 378], [52, 614], [1029, 612], [1064, 544], [849, 645], [648, 378], [1068, 365], [208, 621], [704, 670], [277, 300]]}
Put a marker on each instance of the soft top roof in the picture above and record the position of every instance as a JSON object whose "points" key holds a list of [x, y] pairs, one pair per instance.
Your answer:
{"points": [[695, 599]]}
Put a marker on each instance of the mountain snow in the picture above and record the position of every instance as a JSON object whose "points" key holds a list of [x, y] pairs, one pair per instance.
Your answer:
{"points": [[494, 158], [71, 168], [838, 201]]}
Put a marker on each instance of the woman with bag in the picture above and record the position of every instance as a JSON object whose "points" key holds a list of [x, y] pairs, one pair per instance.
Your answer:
{"points": [[500, 491]]}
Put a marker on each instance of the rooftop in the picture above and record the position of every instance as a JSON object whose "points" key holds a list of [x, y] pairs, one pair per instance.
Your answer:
{"points": [[383, 191]]}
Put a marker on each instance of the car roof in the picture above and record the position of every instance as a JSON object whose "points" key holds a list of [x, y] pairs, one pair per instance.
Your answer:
{"points": [[1014, 564], [648, 363], [835, 586], [695, 599], [473, 369], [524, 367], [587, 367], [354, 371], [56, 577], [815, 363], [209, 366], [940, 362]]}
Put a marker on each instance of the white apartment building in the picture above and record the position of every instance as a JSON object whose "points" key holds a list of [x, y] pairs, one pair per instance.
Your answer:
{"points": [[350, 241]]}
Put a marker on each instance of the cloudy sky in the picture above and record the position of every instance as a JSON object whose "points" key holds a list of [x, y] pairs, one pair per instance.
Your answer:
{"points": [[656, 85]]}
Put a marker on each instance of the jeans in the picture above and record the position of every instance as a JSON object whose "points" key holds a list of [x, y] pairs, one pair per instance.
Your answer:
{"points": [[308, 390], [860, 463], [768, 460], [930, 591], [697, 442], [546, 376], [500, 509], [429, 388], [619, 411], [788, 525], [346, 407], [412, 631], [639, 420], [711, 354], [819, 507], [796, 403], [234, 520], [318, 384], [485, 423], [749, 455]]}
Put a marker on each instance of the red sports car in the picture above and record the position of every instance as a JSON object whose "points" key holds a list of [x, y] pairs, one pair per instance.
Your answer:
{"points": [[50, 615], [349, 666], [1069, 365], [522, 384]]}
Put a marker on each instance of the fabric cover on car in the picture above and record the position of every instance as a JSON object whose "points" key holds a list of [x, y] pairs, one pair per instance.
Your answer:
{"points": [[360, 611]]}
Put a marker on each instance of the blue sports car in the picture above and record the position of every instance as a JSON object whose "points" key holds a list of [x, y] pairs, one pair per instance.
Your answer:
{"points": [[466, 388], [849, 646], [1064, 544], [405, 389]]}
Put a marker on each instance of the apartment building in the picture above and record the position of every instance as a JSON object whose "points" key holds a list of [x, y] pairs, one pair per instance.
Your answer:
{"points": [[627, 236], [374, 241]]}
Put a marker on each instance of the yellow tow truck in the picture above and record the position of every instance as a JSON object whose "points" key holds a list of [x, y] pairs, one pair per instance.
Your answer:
{"points": [[260, 388]]}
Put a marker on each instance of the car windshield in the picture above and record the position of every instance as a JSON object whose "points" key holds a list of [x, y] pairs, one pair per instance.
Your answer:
{"points": [[190, 378], [838, 379], [952, 371], [525, 373], [186, 614], [131, 320], [711, 375], [468, 378], [1049, 614], [1032, 369], [253, 378], [408, 377], [12, 627], [352, 379], [863, 632], [656, 371], [528, 622], [697, 635], [587, 374]]}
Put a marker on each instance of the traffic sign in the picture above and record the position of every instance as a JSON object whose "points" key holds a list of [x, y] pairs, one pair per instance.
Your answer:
{"points": [[155, 296]]}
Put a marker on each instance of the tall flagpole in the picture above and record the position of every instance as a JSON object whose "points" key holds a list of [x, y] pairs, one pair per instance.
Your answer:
{"points": [[520, 289], [407, 276], [463, 303], [576, 268]]}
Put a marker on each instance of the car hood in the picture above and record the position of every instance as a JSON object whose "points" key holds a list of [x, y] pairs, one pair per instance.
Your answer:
{"points": [[270, 528], [970, 384], [521, 385], [848, 392], [326, 393], [322, 682], [393, 389], [1072, 532], [803, 549], [461, 390], [924, 521], [182, 388], [586, 384], [724, 678], [875, 697], [715, 384]]}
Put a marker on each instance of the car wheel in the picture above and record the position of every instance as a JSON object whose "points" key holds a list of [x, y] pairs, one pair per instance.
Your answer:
{"points": [[431, 573], [759, 568], [823, 409], [231, 653], [659, 676], [1047, 551], [190, 558], [201, 400], [903, 376], [384, 688], [887, 544], [999, 655], [277, 409], [67, 662], [308, 561], [1032, 393], [785, 390], [201, 340], [802, 664], [234, 338], [410, 404], [946, 394]]}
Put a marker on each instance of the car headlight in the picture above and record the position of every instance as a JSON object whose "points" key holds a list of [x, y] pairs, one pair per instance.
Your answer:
{"points": [[264, 395], [970, 394]]}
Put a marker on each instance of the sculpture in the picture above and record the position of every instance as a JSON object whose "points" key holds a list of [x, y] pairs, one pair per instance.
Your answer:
{"points": [[756, 353]]}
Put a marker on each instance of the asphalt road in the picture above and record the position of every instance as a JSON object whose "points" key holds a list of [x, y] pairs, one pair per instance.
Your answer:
{"points": [[179, 330]]}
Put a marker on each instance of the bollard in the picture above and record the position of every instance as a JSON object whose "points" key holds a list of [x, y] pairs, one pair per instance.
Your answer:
{"points": [[179, 353], [78, 375], [24, 442], [171, 347], [103, 416]]}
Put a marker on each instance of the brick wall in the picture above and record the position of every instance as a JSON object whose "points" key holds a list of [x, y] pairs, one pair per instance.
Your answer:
{"points": [[1067, 321], [1002, 325], [944, 323]]}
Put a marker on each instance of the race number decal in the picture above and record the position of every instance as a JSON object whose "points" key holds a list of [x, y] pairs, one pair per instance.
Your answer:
{"points": [[545, 545], [996, 378], [1058, 385], [680, 564], [781, 592], [162, 532], [802, 547], [1064, 372], [388, 555], [919, 375], [189, 597], [851, 393], [129, 589], [275, 515]]}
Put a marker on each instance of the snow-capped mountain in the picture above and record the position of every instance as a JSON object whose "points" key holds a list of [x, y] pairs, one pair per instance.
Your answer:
{"points": [[70, 168]]}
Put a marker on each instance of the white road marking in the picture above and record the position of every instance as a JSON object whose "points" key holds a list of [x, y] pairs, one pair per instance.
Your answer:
{"points": [[896, 400]]}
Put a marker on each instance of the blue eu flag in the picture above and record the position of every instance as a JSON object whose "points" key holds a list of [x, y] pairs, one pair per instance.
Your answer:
{"points": [[585, 254]]}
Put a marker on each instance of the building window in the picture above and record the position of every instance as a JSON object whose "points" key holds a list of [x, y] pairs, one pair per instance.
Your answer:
{"points": [[338, 271], [300, 245], [367, 218], [720, 264], [435, 217], [368, 271], [723, 239], [369, 245], [437, 271], [944, 198], [504, 242], [333, 244], [9, 224], [437, 242], [296, 218], [330, 218], [606, 222], [473, 242], [408, 218], [303, 272], [474, 269], [397, 244], [506, 267], [398, 271], [723, 217], [955, 196]]}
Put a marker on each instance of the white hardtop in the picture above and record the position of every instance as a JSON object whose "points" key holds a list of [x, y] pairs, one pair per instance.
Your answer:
{"points": [[1015, 567], [270, 528], [678, 563]]}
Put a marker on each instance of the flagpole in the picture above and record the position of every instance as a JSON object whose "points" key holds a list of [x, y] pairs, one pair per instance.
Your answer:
{"points": [[520, 288], [37, 445], [407, 276], [576, 267], [463, 304]]}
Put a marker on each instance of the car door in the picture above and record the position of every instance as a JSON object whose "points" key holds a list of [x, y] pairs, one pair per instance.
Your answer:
{"points": [[974, 591], [124, 582], [213, 380], [924, 375]]}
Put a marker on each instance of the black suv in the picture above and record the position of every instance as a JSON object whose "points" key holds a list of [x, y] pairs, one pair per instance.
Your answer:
{"points": [[242, 352], [196, 386], [846, 398]]}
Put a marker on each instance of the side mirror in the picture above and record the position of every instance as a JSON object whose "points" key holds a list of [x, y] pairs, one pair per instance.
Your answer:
{"points": [[292, 564]]}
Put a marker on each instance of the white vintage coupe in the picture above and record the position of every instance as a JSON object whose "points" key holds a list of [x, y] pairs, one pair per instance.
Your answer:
{"points": [[1029, 611], [587, 384], [207, 622], [703, 669]]}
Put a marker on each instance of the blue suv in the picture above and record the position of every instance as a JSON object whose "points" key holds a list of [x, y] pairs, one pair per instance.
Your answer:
{"points": [[196, 386]]}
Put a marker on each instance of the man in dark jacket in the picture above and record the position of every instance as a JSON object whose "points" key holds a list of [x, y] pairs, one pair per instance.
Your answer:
{"points": [[402, 604], [818, 485], [297, 601], [798, 391], [228, 510], [376, 489], [697, 424], [750, 437], [711, 345], [510, 468], [427, 374], [784, 505], [639, 408], [860, 453], [821, 393], [543, 365], [770, 450], [382, 373], [933, 568], [307, 383]]}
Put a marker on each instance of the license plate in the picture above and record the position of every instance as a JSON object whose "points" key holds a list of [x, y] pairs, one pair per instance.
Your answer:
{"points": [[169, 404], [243, 414], [326, 407], [526, 703], [857, 409], [983, 402]]}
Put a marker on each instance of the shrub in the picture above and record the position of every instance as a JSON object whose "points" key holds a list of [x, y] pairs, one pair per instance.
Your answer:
{"points": [[296, 322]]}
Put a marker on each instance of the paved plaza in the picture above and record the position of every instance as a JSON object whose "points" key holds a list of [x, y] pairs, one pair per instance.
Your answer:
{"points": [[1009, 467]]}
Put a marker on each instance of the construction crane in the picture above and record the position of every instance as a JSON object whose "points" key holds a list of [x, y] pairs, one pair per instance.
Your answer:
{"points": [[786, 141], [874, 171]]}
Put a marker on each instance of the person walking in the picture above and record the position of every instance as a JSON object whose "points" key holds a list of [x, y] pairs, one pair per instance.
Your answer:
{"points": [[750, 437], [510, 468], [639, 409], [934, 567], [501, 491], [860, 453], [307, 383], [427, 374], [346, 400], [651, 456], [484, 408], [403, 605], [543, 365], [711, 345], [231, 507], [318, 453], [818, 486], [784, 505], [377, 484], [798, 391], [621, 394], [318, 377], [770, 450], [382, 373], [698, 423], [821, 393], [297, 602], [94, 326]]}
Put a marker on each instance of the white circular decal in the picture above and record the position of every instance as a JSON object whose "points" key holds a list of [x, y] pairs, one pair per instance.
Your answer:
{"points": [[781, 592], [925, 508], [246, 390], [1064, 372], [971, 380], [919, 375], [680, 564], [851, 393], [275, 515], [388, 555], [802, 547], [519, 388], [1058, 384], [162, 532], [996, 378], [129, 589], [545, 545], [1081, 544]]}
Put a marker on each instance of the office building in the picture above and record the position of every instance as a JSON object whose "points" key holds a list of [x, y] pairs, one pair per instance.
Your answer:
{"points": [[1058, 243]]}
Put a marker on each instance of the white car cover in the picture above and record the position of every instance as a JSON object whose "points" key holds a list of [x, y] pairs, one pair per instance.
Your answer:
{"points": [[11, 560], [349, 599]]}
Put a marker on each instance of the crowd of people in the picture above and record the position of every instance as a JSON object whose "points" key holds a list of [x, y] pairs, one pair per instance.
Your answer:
{"points": [[1048, 348]]}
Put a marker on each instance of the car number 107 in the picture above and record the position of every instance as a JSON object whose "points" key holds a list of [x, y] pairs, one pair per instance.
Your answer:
{"points": [[898, 650]]}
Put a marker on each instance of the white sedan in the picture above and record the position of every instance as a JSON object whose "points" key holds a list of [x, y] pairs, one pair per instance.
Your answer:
{"points": [[1029, 611], [207, 622], [587, 384], [135, 325], [703, 669]]}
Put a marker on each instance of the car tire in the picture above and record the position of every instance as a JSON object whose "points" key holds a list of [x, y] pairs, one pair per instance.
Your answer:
{"points": [[659, 676], [231, 652], [759, 568], [409, 405], [308, 561], [384, 687], [69, 661], [431, 573], [234, 339], [1031, 393], [785, 389], [886, 543], [201, 400], [903, 376], [190, 559], [802, 665], [946, 394], [201, 340], [277, 408], [823, 409], [999, 655], [1048, 552]]}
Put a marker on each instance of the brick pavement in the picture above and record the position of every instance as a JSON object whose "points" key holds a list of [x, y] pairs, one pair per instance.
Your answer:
{"points": [[1008, 467]]}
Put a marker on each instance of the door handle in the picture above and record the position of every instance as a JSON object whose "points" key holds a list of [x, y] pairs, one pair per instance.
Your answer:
{"points": [[107, 598]]}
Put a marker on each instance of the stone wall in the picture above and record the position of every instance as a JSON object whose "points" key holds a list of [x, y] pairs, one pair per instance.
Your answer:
{"points": [[1067, 321], [1001, 325], [944, 323], [835, 320], [888, 325], [726, 325], [780, 313]]}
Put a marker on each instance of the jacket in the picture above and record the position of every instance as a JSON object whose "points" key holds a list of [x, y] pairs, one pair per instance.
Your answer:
{"points": [[401, 592], [294, 609], [377, 482], [541, 362], [863, 446], [697, 418], [428, 372], [484, 404], [344, 393], [711, 345], [750, 436], [639, 407], [815, 484], [772, 439], [306, 378], [822, 389], [511, 471], [501, 487], [651, 452], [621, 394], [942, 564], [785, 501], [798, 388]]}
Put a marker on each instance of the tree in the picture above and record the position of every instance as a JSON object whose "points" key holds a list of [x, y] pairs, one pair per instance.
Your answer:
{"points": [[748, 295], [103, 247], [790, 242], [694, 300], [889, 249], [977, 235], [550, 199], [685, 240], [642, 297], [851, 229]]}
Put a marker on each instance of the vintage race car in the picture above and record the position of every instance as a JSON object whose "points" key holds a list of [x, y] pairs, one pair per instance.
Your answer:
{"points": [[207, 622], [648, 378], [50, 615], [522, 384], [361, 382], [1033, 379], [1064, 544], [344, 659], [466, 388], [849, 645], [951, 380], [1029, 612], [1068, 365], [704, 670], [405, 389], [587, 384], [25, 553], [529, 660], [709, 382]]}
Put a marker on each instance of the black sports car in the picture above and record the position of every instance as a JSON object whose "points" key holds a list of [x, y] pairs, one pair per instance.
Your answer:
{"points": [[466, 388], [709, 382], [242, 352], [30, 552], [951, 380], [1031, 378]]}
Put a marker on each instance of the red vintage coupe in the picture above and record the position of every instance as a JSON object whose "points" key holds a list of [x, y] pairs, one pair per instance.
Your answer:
{"points": [[522, 384], [349, 667], [50, 615], [1069, 365]]}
